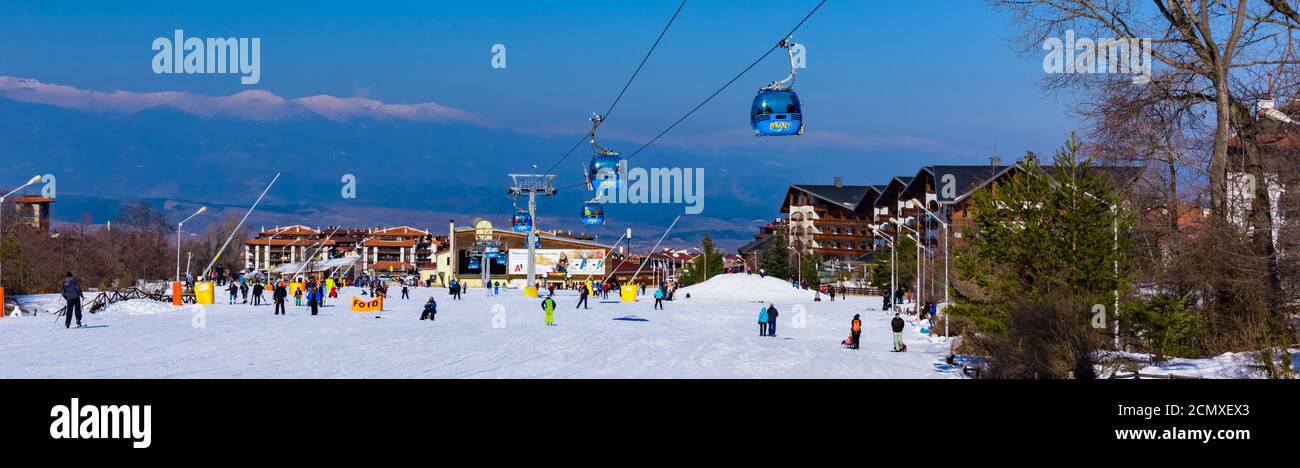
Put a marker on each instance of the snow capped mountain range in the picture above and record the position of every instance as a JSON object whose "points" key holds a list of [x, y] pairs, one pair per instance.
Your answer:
{"points": [[256, 105]]}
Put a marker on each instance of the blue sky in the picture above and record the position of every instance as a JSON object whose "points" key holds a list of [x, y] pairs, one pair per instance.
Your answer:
{"points": [[890, 86], [937, 70]]}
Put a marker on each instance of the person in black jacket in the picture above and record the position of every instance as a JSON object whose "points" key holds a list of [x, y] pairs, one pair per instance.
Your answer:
{"points": [[72, 294], [771, 320], [257, 294], [279, 297], [430, 310], [897, 325]]}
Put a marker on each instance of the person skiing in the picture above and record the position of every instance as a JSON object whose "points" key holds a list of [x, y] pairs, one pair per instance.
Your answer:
{"points": [[430, 309], [582, 298], [762, 273], [234, 292], [771, 319], [762, 321], [496, 288], [72, 294], [297, 297], [897, 325], [243, 291], [831, 292], [548, 305], [659, 299], [855, 331], [406, 292], [257, 294]]}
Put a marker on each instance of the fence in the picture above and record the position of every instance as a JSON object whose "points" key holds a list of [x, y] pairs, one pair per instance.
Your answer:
{"points": [[108, 297]]}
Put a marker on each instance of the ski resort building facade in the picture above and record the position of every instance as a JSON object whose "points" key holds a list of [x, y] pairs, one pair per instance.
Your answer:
{"points": [[396, 251], [560, 257], [845, 227]]}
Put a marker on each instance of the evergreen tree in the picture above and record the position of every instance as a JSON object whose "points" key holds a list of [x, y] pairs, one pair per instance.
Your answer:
{"points": [[809, 270], [776, 259], [704, 266], [906, 270], [1040, 259], [1043, 232]]}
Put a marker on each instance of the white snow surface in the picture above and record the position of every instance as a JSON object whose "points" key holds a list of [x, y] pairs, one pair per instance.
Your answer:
{"points": [[714, 334]]}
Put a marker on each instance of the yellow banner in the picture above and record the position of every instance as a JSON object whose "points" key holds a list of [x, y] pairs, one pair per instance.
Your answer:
{"points": [[373, 305]]}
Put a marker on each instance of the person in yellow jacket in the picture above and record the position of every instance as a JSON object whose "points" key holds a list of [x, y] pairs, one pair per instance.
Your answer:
{"points": [[548, 305]]}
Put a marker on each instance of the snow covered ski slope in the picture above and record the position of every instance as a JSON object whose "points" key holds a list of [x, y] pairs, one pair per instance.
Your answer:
{"points": [[713, 334]]}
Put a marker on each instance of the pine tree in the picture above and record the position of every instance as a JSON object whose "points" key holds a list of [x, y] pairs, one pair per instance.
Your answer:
{"points": [[1043, 233], [1041, 255], [776, 259], [809, 270], [704, 266], [906, 271]]}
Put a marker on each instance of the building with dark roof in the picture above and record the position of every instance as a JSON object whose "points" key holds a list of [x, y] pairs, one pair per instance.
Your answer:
{"points": [[831, 222]]}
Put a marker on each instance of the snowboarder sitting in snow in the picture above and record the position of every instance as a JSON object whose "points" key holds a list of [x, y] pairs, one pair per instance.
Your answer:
{"points": [[897, 325], [430, 310]]}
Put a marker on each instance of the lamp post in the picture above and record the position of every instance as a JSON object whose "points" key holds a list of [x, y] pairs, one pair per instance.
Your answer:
{"points": [[33, 180], [892, 257], [917, 204], [799, 267], [179, 226], [919, 273]]}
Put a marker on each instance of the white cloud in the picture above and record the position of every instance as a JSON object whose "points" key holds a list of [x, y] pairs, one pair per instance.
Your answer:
{"points": [[255, 105]]}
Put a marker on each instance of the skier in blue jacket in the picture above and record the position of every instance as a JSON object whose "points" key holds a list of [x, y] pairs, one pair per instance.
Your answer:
{"points": [[762, 321]]}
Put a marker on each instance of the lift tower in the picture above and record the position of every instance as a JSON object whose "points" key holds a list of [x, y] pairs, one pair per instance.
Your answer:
{"points": [[532, 185]]}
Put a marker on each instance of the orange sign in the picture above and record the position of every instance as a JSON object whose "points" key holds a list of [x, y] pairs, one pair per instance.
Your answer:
{"points": [[373, 305]]}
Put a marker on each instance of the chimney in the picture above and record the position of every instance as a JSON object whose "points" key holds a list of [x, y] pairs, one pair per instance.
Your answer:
{"points": [[839, 182], [995, 160]]}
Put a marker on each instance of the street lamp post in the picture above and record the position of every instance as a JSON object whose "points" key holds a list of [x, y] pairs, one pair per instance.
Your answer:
{"points": [[33, 180], [917, 204], [919, 273], [799, 266], [892, 257], [179, 226]]}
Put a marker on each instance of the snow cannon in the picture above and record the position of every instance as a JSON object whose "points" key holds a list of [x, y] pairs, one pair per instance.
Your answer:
{"points": [[205, 293], [530, 291], [627, 292]]}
